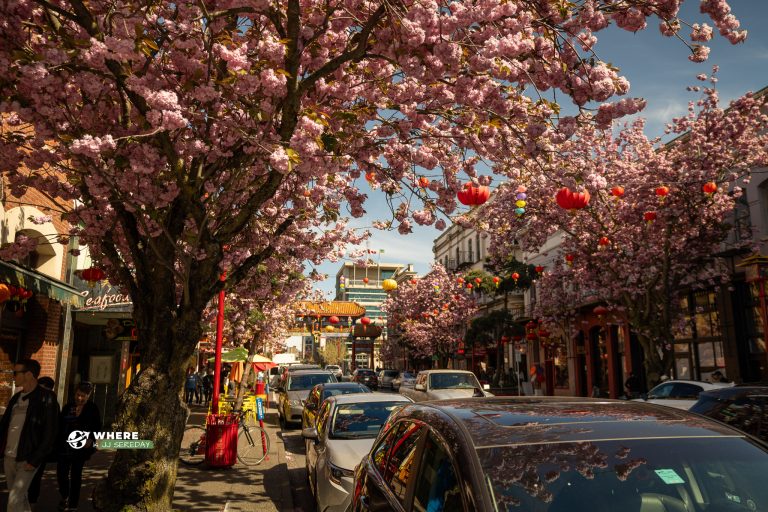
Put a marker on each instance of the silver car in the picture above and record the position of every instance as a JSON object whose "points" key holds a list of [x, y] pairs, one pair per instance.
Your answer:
{"points": [[294, 390], [346, 427], [385, 379], [403, 379]]}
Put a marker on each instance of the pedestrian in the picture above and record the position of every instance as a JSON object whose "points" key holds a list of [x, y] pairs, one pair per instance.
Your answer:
{"points": [[190, 385], [208, 386], [199, 387], [632, 386], [80, 414], [28, 431], [34, 487], [717, 376]]}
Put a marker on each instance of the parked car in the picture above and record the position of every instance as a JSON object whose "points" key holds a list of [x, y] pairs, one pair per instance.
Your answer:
{"points": [[293, 391], [366, 376], [322, 391], [680, 394], [345, 430], [334, 369], [403, 379], [386, 377], [442, 384], [742, 407], [559, 455]]}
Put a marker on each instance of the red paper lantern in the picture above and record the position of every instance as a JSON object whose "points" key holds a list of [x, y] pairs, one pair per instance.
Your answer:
{"points": [[662, 192], [473, 195], [569, 200], [600, 311], [413, 281], [515, 276], [539, 269], [496, 281], [517, 338], [649, 217], [334, 320], [478, 280], [603, 243], [423, 182], [530, 326], [709, 188], [460, 280], [617, 192], [370, 177], [365, 280], [569, 259], [5, 292], [505, 339], [365, 320], [93, 275], [543, 333], [469, 286], [531, 336]]}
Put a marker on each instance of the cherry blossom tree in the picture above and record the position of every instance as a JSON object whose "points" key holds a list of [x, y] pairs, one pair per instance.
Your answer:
{"points": [[430, 312], [200, 137], [657, 217]]}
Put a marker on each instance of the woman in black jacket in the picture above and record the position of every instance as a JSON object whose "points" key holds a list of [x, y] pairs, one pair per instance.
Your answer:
{"points": [[83, 415]]}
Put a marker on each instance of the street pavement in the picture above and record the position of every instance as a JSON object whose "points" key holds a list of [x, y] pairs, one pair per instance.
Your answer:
{"points": [[279, 483]]}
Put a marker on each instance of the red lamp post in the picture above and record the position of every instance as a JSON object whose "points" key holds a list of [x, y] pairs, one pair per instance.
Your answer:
{"points": [[217, 355]]}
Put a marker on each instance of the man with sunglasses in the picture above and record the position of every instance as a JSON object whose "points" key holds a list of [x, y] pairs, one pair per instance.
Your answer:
{"points": [[28, 431]]}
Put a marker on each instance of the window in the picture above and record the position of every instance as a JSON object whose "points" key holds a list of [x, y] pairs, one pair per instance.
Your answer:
{"points": [[661, 391], [322, 418], [469, 249], [479, 252], [399, 468], [682, 390], [437, 489]]}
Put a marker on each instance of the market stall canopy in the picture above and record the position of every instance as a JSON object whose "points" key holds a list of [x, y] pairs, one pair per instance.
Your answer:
{"points": [[261, 363], [40, 283]]}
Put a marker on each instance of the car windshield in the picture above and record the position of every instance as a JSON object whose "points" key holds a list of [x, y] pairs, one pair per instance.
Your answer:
{"points": [[453, 381], [361, 420], [299, 382], [345, 391], [681, 475], [389, 373]]}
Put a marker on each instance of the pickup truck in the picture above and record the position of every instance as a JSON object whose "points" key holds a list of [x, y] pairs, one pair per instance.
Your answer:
{"points": [[442, 384]]}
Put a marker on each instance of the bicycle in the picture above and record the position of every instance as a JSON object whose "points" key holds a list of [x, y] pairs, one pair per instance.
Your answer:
{"points": [[249, 450]]}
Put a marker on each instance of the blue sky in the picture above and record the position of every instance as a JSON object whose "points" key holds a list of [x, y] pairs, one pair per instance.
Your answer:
{"points": [[658, 70]]}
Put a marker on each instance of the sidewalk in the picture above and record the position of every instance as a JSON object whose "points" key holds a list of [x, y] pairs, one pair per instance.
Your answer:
{"points": [[262, 488]]}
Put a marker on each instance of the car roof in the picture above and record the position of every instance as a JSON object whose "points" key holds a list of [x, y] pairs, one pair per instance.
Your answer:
{"points": [[355, 398], [736, 391], [299, 367], [703, 384], [340, 385], [445, 371], [505, 421], [310, 372]]}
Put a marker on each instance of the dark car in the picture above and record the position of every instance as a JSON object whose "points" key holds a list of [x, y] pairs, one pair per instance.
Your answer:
{"points": [[559, 455], [366, 376], [742, 407], [322, 391]]}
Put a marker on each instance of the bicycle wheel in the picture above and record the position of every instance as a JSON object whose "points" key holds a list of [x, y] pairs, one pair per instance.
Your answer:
{"points": [[252, 445], [193, 445]]}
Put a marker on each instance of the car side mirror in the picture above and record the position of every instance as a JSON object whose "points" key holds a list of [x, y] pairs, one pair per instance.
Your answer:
{"points": [[646, 396], [311, 406], [309, 433], [486, 387], [419, 387]]}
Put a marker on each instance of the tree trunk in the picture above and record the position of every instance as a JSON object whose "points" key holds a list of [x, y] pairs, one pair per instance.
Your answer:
{"points": [[144, 480], [655, 364]]}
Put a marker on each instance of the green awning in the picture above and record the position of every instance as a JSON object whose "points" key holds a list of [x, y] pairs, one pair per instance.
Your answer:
{"points": [[40, 283]]}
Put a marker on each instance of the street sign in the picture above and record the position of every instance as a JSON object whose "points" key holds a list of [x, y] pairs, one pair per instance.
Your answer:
{"points": [[260, 408]]}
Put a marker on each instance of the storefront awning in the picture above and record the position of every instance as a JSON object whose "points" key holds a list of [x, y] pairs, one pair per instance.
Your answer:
{"points": [[40, 283]]}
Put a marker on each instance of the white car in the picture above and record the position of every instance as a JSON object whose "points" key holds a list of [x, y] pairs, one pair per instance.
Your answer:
{"points": [[334, 369], [443, 384], [680, 394], [346, 427]]}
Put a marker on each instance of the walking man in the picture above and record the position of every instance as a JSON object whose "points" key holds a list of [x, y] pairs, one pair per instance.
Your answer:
{"points": [[27, 432]]}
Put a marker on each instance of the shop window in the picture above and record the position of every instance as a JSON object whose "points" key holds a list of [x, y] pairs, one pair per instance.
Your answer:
{"points": [[561, 366]]}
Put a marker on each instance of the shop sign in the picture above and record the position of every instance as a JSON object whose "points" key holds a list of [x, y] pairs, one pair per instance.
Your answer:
{"points": [[260, 408], [103, 298]]}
